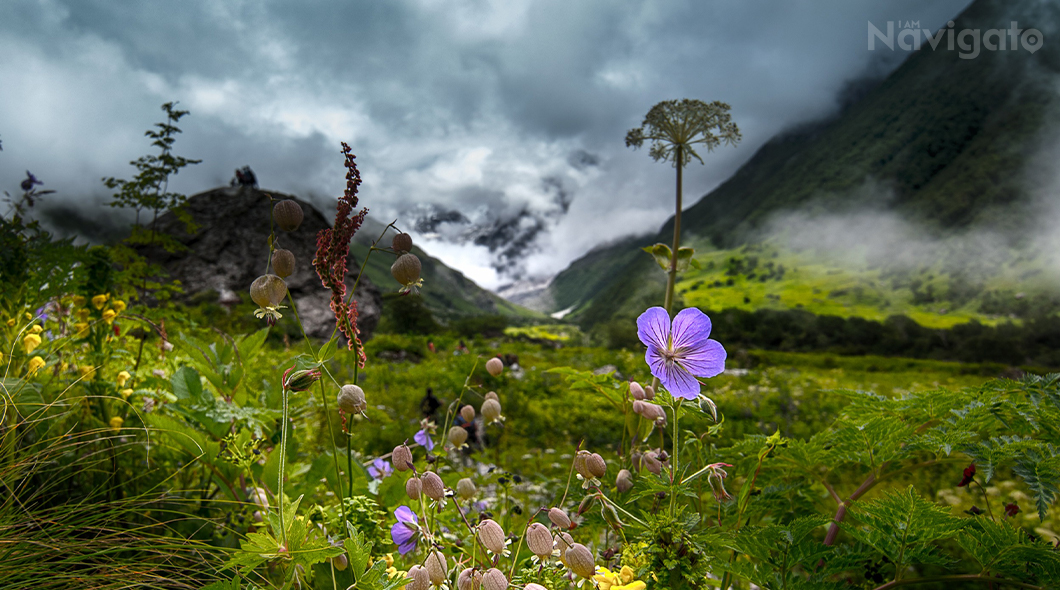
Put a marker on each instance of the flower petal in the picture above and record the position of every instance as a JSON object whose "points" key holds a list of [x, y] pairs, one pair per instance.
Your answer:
{"points": [[707, 359], [402, 534], [406, 515], [690, 329], [679, 382], [656, 362], [653, 327]]}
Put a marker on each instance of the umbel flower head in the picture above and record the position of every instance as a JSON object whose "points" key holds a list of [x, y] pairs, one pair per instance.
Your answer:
{"points": [[680, 352]]}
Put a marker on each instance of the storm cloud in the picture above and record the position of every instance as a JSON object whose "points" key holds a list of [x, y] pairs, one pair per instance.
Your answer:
{"points": [[510, 114]]}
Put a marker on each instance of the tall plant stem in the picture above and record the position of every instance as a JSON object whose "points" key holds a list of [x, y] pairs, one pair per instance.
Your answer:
{"points": [[671, 279], [283, 466], [335, 456]]}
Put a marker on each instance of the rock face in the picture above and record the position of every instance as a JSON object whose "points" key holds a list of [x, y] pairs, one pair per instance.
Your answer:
{"points": [[229, 249]]}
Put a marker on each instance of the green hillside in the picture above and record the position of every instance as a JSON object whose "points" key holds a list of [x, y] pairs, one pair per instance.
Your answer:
{"points": [[943, 141]]}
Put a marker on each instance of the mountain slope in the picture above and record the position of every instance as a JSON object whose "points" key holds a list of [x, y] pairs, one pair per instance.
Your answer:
{"points": [[942, 140]]}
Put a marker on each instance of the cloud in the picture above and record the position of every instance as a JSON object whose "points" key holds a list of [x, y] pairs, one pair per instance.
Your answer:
{"points": [[511, 113]]}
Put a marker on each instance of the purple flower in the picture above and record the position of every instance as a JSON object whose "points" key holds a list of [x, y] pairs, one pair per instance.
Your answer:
{"points": [[380, 468], [406, 531], [423, 438], [679, 353], [29, 182]]}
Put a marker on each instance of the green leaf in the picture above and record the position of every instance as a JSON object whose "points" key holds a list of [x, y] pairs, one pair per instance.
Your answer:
{"points": [[358, 550], [328, 350], [186, 384], [1005, 549], [232, 584], [1041, 471], [662, 255], [251, 344], [684, 258]]}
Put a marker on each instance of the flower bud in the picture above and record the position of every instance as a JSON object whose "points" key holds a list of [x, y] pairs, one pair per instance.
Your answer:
{"points": [[649, 392], [401, 458], [492, 536], [467, 413], [580, 465], [406, 269], [491, 410], [351, 399], [401, 243], [494, 579], [610, 516], [624, 481], [413, 487], [468, 579], [596, 465], [465, 488], [580, 561], [433, 487], [650, 461], [437, 568], [283, 263], [636, 390], [420, 578], [340, 562], [288, 215], [300, 380], [492, 395], [457, 436], [495, 366], [586, 504], [559, 518], [268, 290], [539, 540], [707, 406]]}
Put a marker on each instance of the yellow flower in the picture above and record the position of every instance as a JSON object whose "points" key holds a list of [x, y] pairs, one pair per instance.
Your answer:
{"points": [[125, 393], [35, 364], [108, 316], [87, 372], [122, 378], [83, 313], [115, 423], [621, 580], [28, 315], [81, 329], [31, 341], [1, 357], [35, 329], [395, 574], [389, 559], [78, 300], [11, 323], [99, 300], [118, 305]]}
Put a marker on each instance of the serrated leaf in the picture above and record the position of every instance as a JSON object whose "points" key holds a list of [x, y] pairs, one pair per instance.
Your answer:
{"points": [[1040, 469], [186, 384], [1002, 548]]}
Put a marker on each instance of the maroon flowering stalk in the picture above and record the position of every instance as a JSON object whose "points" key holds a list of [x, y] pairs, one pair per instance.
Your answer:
{"points": [[969, 476], [1011, 509], [333, 249]]}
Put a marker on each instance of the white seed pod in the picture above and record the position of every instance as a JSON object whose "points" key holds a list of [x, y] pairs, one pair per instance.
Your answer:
{"points": [[340, 562], [288, 215], [492, 536], [457, 436], [580, 561], [468, 413], [559, 518], [564, 542], [260, 497], [433, 487], [268, 290], [413, 488], [495, 366], [465, 488], [437, 568], [636, 390], [401, 243], [491, 410], [539, 540], [351, 399], [649, 392], [468, 579], [406, 269], [624, 481], [494, 579], [283, 263], [533, 586], [401, 458], [580, 464], [596, 465], [492, 395], [420, 578]]}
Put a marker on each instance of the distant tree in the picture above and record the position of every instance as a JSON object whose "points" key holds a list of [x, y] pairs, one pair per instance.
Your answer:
{"points": [[675, 128]]}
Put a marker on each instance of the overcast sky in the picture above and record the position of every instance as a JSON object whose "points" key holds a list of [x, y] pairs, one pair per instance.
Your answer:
{"points": [[509, 112]]}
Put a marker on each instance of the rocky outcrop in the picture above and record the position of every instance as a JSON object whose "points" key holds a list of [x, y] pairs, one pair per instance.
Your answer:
{"points": [[228, 250]]}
